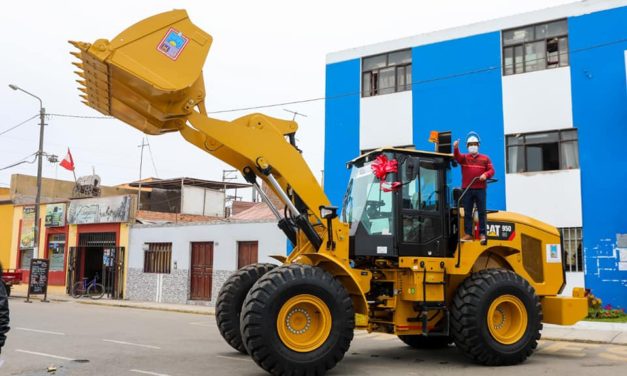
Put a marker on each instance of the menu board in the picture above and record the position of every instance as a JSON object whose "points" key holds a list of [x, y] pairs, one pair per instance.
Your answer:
{"points": [[38, 281]]}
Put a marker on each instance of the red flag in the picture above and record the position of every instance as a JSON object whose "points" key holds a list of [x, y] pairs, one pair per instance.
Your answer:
{"points": [[67, 162]]}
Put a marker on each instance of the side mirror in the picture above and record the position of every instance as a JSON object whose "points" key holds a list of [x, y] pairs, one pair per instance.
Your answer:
{"points": [[412, 168], [328, 212]]}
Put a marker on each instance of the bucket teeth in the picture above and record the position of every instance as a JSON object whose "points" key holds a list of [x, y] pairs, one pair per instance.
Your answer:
{"points": [[80, 45], [78, 65], [84, 96], [86, 103], [80, 74], [82, 82], [82, 89], [76, 54]]}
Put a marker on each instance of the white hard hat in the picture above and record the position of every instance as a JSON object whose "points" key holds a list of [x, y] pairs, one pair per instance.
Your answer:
{"points": [[472, 139]]}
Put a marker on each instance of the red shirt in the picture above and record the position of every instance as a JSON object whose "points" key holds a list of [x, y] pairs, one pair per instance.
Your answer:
{"points": [[473, 166]]}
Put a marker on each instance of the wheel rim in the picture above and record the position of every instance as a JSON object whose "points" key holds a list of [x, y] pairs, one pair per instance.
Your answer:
{"points": [[304, 323], [507, 319]]}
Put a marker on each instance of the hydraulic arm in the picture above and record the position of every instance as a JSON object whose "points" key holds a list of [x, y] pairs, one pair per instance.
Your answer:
{"points": [[150, 76]]}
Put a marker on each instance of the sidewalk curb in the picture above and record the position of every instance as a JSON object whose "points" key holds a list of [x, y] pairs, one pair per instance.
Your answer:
{"points": [[578, 340], [149, 308]]}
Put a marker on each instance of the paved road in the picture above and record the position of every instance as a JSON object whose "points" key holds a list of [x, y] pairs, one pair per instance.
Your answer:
{"points": [[80, 339]]}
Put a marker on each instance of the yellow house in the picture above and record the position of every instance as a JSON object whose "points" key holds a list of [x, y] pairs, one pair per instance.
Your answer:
{"points": [[6, 227]]}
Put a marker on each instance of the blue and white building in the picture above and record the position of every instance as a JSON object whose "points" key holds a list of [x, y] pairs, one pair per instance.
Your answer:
{"points": [[547, 92]]}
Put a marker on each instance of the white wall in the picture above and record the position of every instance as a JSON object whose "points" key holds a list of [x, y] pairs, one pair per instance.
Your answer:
{"points": [[550, 196], [537, 101], [575, 8], [386, 120], [201, 201], [225, 237], [573, 279]]}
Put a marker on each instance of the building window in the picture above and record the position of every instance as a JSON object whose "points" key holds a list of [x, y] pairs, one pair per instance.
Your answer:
{"points": [[386, 73], [56, 252], [535, 47], [573, 254], [543, 151], [25, 256], [157, 258]]}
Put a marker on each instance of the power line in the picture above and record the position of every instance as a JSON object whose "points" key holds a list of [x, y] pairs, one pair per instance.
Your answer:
{"points": [[21, 161], [425, 81], [82, 116], [18, 125]]}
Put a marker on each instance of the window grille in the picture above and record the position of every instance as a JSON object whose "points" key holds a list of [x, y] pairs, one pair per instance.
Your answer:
{"points": [[157, 258]]}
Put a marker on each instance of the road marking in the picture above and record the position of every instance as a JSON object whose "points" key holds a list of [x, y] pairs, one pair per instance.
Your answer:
{"points": [[41, 331], [615, 353], [148, 372], [232, 358], [44, 354], [570, 349], [131, 344], [205, 324]]}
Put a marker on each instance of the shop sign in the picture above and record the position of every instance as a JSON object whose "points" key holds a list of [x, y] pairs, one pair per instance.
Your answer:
{"points": [[27, 237], [55, 215], [99, 210]]}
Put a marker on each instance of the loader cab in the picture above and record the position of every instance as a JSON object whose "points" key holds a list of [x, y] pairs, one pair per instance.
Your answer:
{"points": [[407, 211]]}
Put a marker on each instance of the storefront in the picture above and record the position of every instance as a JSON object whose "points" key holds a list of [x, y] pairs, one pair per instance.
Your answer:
{"points": [[53, 236], [84, 239], [56, 234]]}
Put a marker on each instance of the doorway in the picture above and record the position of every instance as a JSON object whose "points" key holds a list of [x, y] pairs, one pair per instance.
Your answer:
{"points": [[247, 253], [202, 271], [97, 257]]}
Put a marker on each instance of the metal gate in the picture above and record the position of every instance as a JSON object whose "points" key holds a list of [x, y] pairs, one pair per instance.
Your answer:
{"points": [[109, 269]]}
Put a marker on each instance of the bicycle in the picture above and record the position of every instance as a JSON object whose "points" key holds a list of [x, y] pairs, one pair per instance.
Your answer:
{"points": [[93, 289]]}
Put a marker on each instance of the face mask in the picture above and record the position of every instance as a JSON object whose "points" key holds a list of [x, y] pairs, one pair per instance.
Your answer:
{"points": [[473, 149]]}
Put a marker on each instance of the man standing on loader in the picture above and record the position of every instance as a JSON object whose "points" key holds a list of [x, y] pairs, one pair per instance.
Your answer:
{"points": [[474, 165]]}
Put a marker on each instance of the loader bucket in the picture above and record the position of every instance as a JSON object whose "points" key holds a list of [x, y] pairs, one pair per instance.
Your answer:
{"points": [[149, 76]]}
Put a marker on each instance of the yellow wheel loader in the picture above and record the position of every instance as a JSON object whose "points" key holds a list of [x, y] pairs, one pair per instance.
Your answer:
{"points": [[390, 262]]}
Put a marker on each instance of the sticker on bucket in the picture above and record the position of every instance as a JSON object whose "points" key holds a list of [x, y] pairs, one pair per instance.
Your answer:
{"points": [[172, 44]]}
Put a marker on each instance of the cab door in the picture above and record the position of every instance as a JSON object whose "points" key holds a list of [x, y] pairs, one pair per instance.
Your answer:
{"points": [[422, 198]]}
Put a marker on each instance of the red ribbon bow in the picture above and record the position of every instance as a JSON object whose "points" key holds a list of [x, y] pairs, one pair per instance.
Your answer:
{"points": [[381, 167]]}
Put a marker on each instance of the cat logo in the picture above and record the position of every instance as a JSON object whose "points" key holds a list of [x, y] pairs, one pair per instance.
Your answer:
{"points": [[501, 230]]}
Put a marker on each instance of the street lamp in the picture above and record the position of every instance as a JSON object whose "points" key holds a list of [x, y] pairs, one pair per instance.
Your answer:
{"points": [[42, 115]]}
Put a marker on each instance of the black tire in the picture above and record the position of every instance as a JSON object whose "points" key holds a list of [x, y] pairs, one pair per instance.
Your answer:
{"points": [[469, 317], [95, 291], [231, 298], [77, 290], [264, 304], [425, 342]]}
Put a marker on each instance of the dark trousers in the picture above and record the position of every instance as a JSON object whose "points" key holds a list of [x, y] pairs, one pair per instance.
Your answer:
{"points": [[477, 197]]}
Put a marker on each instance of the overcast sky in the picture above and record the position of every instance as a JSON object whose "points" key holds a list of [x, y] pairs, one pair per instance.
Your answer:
{"points": [[263, 52]]}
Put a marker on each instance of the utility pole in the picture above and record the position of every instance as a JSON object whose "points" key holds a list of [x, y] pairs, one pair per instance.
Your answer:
{"points": [[40, 152], [141, 161]]}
